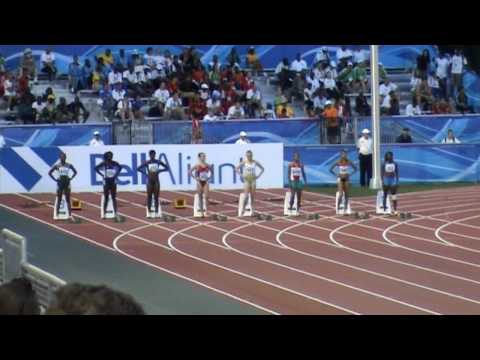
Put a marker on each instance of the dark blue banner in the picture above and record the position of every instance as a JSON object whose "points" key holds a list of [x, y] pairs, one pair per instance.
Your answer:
{"points": [[54, 135]]}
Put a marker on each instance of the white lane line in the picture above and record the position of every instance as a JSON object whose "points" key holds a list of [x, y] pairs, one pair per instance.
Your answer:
{"points": [[225, 242]]}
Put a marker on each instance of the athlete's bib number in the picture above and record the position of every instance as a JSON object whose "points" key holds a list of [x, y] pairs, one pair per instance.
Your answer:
{"points": [[296, 173], [203, 175], [390, 168], [63, 171], [153, 167], [110, 173], [343, 170]]}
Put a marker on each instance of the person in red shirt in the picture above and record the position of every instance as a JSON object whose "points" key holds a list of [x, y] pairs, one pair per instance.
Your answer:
{"points": [[23, 82], [173, 85], [198, 110]]}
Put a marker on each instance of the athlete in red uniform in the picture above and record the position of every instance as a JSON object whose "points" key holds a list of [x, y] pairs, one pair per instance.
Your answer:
{"points": [[202, 172]]}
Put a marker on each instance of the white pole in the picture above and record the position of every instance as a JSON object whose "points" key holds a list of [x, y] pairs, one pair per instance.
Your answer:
{"points": [[376, 176]]}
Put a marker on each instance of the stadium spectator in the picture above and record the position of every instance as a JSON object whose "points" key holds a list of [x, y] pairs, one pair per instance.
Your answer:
{"points": [[330, 86], [118, 93], [79, 299], [434, 84], [107, 103], [74, 75], [137, 105], [382, 71], [322, 57], [413, 109], [107, 57], [284, 110], [319, 101], [125, 110], [332, 123], [174, 108], [254, 100], [24, 107], [211, 115], [394, 104], [362, 106], [96, 141], [87, 71], [38, 107], [360, 56], [269, 113], [253, 62], [27, 64], [121, 60], [423, 63], [423, 95], [236, 111], [344, 55], [161, 96], [77, 109], [386, 87], [451, 139], [443, 64], [48, 112], [62, 111], [198, 108], [364, 146], [97, 78], [243, 139], [308, 95], [282, 71], [9, 91], [2, 64], [405, 137], [48, 64], [462, 102], [214, 103], [232, 58], [360, 79], [2, 141], [18, 298], [441, 106], [299, 65], [458, 64], [22, 84], [115, 77], [345, 78]]}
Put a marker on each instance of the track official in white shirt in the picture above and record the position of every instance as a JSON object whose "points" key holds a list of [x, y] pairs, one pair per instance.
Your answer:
{"points": [[96, 141], [364, 146], [243, 139]]}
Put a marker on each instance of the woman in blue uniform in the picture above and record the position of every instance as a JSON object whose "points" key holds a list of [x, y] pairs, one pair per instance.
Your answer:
{"points": [[63, 180], [343, 176], [151, 169], [390, 177], [110, 169]]}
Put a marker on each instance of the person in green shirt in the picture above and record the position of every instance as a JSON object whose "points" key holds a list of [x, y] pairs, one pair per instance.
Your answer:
{"points": [[360, 79]]}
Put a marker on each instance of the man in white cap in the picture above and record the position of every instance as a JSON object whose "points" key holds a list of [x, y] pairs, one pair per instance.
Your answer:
{"points": [[96, 141], [364, 146], [243, 139]]}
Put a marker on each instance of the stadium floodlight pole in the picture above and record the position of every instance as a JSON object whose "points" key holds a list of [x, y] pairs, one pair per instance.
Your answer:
{"points": [[375, 182]]}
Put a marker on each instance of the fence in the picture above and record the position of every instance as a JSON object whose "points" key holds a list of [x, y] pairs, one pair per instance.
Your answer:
{"points": [[14, 264]]}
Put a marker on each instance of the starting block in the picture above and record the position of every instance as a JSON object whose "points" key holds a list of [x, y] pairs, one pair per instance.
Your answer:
{"points": [[110, 214], [286, 205], [151, 214], [180, 203], [197, 211], [380, 209], [342, 210], [405, 216], [248, 208], [264, 217], [362, 215], [313, 217], [219, 217], [76, 204], [169, 218], [63, 213]]}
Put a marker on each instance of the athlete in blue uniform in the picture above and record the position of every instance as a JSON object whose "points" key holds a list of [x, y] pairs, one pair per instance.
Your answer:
{"points": [[63, 180], [110, 169], [151, 169], [390, 177]]}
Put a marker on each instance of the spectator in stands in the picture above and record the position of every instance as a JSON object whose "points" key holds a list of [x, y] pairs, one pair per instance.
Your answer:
{"points": [[2, 64], [268, 112], [97, 140], [23, 83], [443, 64], [253, 61], [115, 77], [319, 101], [308, 95], [322, 57], [232, 58], [404, 137], [9, 91], [441, 106], [394, 104], [423, 63], [107, 103], [282, 71], [77, 109], [18, 298], [462, 102], [423, 95], [362, 106], [107, 57], [284, 110], [27, 64], [87, 71], [211, 116], [48, 64], [215, 75], [344, 55], [137, 105], [78, 299], [434, 84], [198, 108], [118, 93], [345, 78], [386, 87], [174, 108], [204, 92], [121, 60], [299, 65], [413, 109], [125, 110], [97, 78], [236, 111], [458, 64], [360, 56], [161, 95], [331, 86], [382, 71], [254, 100], [24, 107], [38, 107], [74, 75], [451, 139], [48, 112], [332, 123], [62, 112], [214, 103], [243, 139], [360, 79]]}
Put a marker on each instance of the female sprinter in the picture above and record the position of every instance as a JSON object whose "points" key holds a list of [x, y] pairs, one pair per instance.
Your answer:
{"points": [[202, 172], [63, 180], [295, 172], [343, 176], [151, 169], [248, 171], [111, 169], [390, 177]]}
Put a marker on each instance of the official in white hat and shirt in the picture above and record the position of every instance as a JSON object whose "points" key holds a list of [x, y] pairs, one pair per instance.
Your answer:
{"points": [[96, 141], [243, 139], [364, 146]]}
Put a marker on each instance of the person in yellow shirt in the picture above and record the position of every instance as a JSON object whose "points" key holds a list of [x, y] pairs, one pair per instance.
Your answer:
{"points": [[284, 111], [107, 57], [253, 62], [331, 117]]}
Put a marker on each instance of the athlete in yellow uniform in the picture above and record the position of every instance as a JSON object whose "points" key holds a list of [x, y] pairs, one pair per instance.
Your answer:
{"points": [[248, 171]]}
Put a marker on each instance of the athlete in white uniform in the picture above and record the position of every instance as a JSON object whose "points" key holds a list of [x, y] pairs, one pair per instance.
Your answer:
{"points": [[248, 171]]}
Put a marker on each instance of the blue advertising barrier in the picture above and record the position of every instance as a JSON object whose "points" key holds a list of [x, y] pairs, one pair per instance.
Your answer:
{"points": [[294, 131], [54, 135], [417, 163], [428, 129]]}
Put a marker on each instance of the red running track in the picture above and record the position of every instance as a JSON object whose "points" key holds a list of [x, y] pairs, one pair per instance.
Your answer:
{"points": [[335, 265]]}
